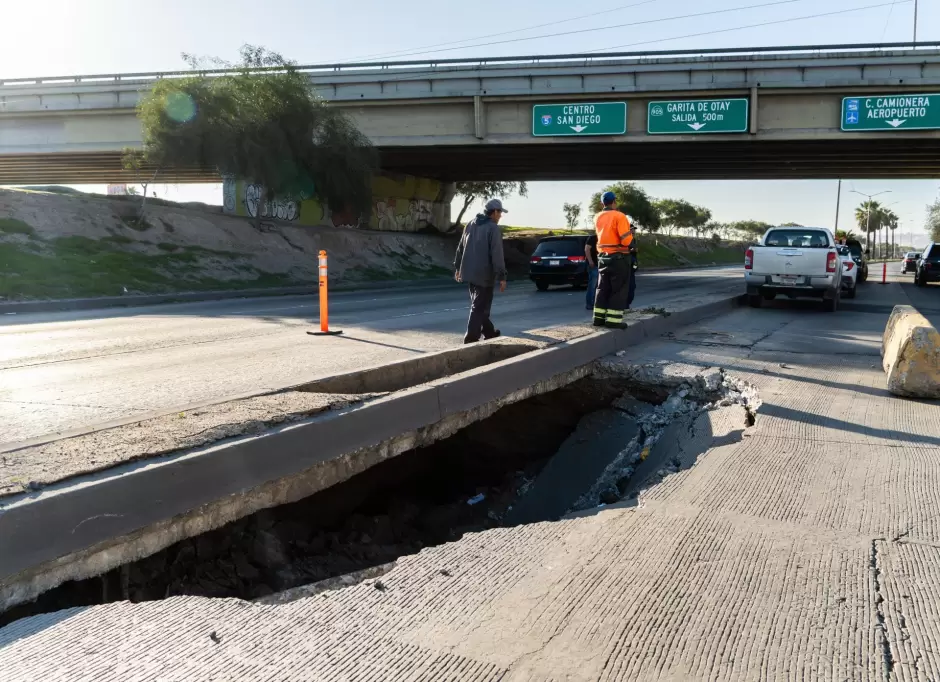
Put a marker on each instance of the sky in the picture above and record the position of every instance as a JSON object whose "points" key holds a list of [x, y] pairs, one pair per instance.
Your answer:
{"points": [[66, 37]]}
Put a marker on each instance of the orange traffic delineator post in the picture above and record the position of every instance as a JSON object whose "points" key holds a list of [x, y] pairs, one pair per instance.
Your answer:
{"points": [[324, 302], [884, 273]]}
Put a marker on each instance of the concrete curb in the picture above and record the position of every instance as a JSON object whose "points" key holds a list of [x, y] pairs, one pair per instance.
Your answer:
{"points": [[139, 300], [87, 525]]}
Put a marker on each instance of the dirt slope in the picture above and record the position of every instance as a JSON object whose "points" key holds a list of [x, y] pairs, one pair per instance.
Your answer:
{"points": [[58, 246]]}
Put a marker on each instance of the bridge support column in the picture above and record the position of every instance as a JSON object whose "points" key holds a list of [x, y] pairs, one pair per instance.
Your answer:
{"points": [[752, 111], [479, 117]]}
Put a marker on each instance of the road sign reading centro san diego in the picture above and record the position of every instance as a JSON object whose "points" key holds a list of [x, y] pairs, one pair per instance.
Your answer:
{"points": [[691, 116], [583, 118], [891, 112]]}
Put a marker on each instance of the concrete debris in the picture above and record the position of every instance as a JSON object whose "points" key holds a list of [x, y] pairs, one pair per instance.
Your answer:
{"points": [[666, 429]]}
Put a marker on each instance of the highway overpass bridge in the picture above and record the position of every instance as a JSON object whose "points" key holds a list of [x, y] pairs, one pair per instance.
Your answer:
{"points": [[789, 115]]}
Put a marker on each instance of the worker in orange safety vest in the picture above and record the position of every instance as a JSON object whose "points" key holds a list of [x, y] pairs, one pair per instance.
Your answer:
{"points": [[616, 248]]}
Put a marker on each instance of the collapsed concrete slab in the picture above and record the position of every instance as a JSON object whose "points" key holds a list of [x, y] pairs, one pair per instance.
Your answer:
{"points": [[910, 351], [576, 467]]}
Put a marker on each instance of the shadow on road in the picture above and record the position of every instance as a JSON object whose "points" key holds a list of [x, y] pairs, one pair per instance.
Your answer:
{"points": [[345, 337], [790, 414]]}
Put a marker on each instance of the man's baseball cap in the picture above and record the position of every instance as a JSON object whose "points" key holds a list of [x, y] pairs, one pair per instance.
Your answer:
{"points": [[608, 198], [495, 205]]}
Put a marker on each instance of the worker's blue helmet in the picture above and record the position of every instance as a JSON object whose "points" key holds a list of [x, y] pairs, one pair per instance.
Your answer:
{"points": [[608, 198]]}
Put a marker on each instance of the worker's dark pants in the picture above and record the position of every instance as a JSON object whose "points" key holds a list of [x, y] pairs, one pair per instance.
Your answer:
{"points": [[616, 287], [481, 300]]}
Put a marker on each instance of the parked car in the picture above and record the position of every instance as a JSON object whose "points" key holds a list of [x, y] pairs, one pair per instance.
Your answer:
{"points": [[559, 261], [849, 272], [910, 262], [795, 262], [860, 256], [928, 267]]}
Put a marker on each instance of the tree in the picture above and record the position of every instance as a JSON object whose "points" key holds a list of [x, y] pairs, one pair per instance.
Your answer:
{"points": [[867, 216], [676, 213], [471, 191], [259, 121], [791, 225], [933, 221], [843, 234], [572, 214], [136, 161], [632, 200], [889, 219], [752, 229]]}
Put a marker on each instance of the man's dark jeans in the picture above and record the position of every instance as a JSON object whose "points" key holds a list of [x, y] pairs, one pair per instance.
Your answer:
{"points": [[481, 300], [591, 288]]}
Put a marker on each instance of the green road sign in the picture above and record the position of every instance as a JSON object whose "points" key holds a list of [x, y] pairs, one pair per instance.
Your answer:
{"points": [[891, 112], [582, 118], [697, 116]]}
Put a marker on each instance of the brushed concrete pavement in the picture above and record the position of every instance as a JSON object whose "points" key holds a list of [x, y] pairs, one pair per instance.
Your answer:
{"points": [[62, 371], [807, 550]]}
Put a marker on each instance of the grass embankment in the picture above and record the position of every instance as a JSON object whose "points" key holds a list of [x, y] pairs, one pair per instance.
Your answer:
{"points": [[78, 267], [655, 251], [82, 267]]}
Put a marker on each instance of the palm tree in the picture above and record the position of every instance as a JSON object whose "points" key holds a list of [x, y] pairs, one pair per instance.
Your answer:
{"points": [[890, 220], [843, 234], [866, 216]]}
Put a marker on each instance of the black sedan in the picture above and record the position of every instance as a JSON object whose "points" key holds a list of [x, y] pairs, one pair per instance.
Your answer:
{"points": [[928, 269], [559, 261]]}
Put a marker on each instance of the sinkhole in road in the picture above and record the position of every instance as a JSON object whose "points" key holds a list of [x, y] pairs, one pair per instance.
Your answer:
{"points": [[535, 460]]}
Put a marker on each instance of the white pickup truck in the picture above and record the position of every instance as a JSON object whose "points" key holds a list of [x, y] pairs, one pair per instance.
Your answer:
{"points": [[798, 262]]}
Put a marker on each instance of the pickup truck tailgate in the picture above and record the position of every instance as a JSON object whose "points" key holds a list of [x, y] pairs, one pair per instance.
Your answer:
{"points": [[787, 264]]}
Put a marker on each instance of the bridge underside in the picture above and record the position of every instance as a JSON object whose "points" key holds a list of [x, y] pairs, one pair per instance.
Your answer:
{"points": [[693, 160], [855, 157]]}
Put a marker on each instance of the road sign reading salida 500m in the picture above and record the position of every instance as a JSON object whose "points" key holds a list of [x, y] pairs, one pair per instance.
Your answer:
{"points": [[580, 118], [697, 116]]}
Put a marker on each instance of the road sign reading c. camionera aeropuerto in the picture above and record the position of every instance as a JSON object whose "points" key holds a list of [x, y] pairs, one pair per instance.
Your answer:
{"points": [[697, 116], [891, 112], [579, 119]]}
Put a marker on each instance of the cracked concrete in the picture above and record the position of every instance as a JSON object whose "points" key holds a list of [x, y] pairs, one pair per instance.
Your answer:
{"points": [[805, 550]]}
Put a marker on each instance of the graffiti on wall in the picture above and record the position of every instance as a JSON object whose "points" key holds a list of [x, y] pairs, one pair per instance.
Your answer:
{"points": [[282, 208], [402, 215], [229, 193], [400, 204]]}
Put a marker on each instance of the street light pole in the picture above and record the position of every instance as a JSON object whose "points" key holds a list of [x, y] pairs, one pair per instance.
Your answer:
{"points": [[838, 199], [868, 214]]}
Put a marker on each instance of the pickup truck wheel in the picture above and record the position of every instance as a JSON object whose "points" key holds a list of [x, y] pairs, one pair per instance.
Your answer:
{"points": [[769, 296], [755, 300], [830, 305]]}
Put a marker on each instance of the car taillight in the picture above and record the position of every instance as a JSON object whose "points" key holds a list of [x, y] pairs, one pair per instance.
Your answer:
{"points": [[749, 259], [926, 266], [535, 259], [831, 262], [577, 259], [848, 265]]}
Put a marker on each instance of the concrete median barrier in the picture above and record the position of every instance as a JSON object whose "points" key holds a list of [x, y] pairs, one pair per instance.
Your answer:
{"points": [[910, 350]]}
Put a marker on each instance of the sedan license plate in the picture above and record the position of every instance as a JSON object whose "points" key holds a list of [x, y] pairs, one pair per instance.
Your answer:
{"points": [[554, 262], [788, 279]]}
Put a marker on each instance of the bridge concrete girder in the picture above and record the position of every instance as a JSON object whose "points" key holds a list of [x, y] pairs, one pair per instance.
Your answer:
{"points": [[473, 120]]}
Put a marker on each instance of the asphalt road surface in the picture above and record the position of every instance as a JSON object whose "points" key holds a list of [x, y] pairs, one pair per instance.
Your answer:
{"points": [[65, 371]]}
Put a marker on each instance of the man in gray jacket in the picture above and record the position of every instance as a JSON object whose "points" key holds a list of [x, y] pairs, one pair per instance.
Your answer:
{"points": [[480, 264]]}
